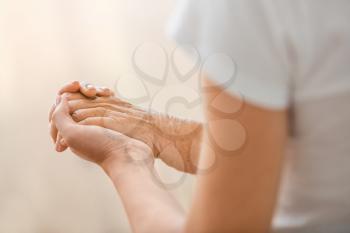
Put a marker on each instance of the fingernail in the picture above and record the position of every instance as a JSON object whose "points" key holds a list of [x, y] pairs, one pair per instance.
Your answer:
{"points": [[89, 86]]}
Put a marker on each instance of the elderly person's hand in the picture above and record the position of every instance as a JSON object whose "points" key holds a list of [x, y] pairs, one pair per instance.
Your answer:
{"points": [[176, 142], [102, 146], [87, 90], [111, 113]]}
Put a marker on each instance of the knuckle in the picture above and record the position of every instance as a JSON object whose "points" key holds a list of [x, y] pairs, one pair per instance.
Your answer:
{"points": [[102, 111], [103, 122], [73, 105], [77, 115]]}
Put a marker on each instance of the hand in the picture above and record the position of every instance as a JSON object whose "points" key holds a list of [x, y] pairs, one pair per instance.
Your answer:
{"points": [[99, 145], [174, 141], [118, 115], [111, 113], [86, 89]]}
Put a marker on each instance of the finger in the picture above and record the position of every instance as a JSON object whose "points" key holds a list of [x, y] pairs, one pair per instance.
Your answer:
{"points": [[82, 114], [62, 119], [60, 147], [74, 96], [98, 121], [104, 92], [70, 87], [106, 102], [75, 105], [63, 142], [53, 132], [52, 109], [88, 89], [109, 91]]}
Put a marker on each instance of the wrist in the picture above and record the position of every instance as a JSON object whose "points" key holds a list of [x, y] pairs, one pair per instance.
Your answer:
{"points": [[114, 167], [157, 127], [134, 155], [122, 174], [177, 141]]}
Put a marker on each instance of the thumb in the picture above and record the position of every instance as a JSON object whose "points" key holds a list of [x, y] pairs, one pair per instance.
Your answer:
{"points": [[62, 119]]}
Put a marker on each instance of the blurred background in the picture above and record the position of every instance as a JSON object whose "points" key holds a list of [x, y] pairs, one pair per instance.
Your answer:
{"points": [[43, 45]]}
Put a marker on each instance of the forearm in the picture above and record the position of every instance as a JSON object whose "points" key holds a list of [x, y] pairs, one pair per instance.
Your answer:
{"points": [[150, 208], [178, 137]]}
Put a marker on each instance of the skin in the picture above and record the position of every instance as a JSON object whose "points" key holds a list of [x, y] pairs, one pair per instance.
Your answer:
{"points": [[87, 90], [158, 131], [239, 195]]}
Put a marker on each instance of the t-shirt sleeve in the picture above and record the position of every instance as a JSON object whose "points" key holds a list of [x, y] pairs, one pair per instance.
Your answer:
{"points": [[243, 32]]}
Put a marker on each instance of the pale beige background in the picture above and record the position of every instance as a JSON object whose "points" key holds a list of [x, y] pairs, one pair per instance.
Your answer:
{"points": [[44, 44]]}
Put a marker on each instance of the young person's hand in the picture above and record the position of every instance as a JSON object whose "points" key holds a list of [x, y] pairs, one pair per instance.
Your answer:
{"points": [[102, 146]]}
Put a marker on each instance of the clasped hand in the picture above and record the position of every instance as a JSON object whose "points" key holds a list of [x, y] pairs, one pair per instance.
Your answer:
{"points": [[83, 129]]}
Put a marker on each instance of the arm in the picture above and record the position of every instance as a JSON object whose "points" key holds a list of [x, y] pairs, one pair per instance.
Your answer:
{"points": [[176, 142], [178, 137], [129, 164], [149, 207], [239, 195]]}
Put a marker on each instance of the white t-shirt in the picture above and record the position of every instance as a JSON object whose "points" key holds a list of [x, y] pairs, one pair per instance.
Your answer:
{"points": [[295, 55]]}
